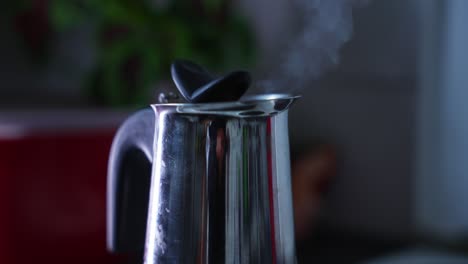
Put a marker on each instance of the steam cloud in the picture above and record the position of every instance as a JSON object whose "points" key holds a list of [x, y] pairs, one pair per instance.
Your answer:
{"points": [[327, 25]]}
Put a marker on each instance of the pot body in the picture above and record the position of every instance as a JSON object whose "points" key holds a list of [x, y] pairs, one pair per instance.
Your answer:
{"points": [[218, 183]]}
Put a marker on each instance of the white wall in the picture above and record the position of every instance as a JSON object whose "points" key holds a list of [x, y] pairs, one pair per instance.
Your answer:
{"points": [[441, 181]]}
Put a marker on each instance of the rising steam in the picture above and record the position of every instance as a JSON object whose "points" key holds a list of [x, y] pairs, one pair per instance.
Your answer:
{"points": [[327, 25]]}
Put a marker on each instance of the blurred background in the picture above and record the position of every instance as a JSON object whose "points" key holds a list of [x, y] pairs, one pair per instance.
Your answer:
{"points": [[388, 123]]}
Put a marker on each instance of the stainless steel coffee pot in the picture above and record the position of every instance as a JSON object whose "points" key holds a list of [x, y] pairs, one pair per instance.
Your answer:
{"points": [[204, 183]]}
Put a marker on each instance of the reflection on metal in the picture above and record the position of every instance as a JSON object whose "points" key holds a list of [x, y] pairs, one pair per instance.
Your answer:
{"points": [[220, 189]]}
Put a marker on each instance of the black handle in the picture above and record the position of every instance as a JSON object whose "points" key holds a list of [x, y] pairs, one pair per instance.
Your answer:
{"points": [[128, 182]]}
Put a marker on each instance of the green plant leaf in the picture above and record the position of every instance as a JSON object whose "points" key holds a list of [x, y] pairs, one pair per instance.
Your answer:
{"points": [[213, 5], [65, 14]]}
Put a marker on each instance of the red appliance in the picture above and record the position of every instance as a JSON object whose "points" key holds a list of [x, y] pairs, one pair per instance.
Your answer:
{"points": [[53, 169]]}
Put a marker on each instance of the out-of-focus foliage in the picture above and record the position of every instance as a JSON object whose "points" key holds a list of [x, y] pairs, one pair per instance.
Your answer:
{"points": [[136, 41]]}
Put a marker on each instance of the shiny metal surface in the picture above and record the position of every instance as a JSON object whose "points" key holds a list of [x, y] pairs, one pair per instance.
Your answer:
{"points": [[220, 186]]}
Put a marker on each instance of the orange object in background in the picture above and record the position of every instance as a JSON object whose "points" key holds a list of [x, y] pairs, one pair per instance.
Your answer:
{"points": [[53, 195]]}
